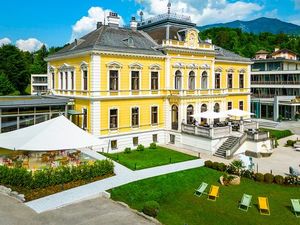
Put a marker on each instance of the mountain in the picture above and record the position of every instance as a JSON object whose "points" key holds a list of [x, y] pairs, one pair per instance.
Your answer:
{"points": [[259, 25]]}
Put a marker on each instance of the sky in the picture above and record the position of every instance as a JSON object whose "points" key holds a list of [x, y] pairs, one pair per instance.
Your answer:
{"points": [[29, 24]]}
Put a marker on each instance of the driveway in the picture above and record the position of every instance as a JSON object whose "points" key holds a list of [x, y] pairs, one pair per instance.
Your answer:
{"points": [[91, 212]]}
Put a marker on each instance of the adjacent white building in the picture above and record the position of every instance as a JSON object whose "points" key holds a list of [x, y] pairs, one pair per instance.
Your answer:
{"points": [[39, 84]]}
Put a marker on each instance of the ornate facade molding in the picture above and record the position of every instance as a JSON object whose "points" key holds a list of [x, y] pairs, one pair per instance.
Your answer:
{"points": [[114, 65], [179, 66], [65, 67], [135, 66], [155, 67], [84, 65], [192, 66]]}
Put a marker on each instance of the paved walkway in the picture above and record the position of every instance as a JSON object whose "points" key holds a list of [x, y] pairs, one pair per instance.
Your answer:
{"points": [[91, 212], [92, 190]]}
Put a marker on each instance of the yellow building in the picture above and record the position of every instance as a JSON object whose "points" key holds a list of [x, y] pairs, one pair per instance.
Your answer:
{"points": [[140, 84]]}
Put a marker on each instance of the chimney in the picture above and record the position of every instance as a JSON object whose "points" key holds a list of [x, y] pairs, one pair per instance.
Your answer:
{"points": [[133, 24], [113, 20], [99, 24]]}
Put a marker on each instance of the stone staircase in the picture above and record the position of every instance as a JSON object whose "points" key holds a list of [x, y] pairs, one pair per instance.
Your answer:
{"points": [[230, 143]]}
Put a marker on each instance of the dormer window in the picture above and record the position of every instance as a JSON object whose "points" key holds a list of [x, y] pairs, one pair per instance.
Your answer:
{"points": [[129, 42]]}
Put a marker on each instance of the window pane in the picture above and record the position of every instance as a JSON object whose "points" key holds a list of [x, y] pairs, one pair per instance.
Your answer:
{"points": [[113, 124], [154, 80], [8, 124], [113, 80], [135, 117], [154, 115], [135, 80]]}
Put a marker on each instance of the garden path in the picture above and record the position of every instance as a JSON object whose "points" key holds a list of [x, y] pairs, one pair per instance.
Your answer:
{"points": [[95, 189]]}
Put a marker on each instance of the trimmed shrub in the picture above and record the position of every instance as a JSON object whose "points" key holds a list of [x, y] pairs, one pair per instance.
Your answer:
{"points": [[279, 179], [290, 143], [127, 150], [292, 180], [140, 148], [153, 146], [268, 178], [247, 174], [208, 164], [215, 165], [259, 177], [151, 208], [222, 167]]}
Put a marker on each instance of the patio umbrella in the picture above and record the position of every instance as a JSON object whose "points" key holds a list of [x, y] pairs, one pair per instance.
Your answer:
{"points": [[238, 113], [210, 115]]}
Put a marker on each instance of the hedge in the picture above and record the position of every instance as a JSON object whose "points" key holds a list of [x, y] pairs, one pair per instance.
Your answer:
{"points": [[21, 177], [259, 177]]}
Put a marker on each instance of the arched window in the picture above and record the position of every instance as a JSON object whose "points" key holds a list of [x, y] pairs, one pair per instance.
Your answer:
{"points": [[217, 109], [203, 109], [192, 80], [178, 77], [204, 79], [174, 117], [189, 113]]}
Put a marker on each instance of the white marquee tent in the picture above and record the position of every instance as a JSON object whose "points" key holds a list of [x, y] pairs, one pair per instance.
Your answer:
{"points": [[238, 113], [55, 134], [210, 115]]}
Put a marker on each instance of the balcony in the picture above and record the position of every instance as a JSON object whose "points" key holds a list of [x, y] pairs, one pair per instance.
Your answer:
{"points": [[208, 132]]}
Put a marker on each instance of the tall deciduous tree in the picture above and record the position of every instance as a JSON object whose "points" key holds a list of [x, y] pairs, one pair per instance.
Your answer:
{"points": [[5, 85]]}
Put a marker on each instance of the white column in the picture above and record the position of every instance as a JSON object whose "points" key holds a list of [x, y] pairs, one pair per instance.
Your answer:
{"points": [[167, 73], [95, 118], [95, 75], [212, 86]]}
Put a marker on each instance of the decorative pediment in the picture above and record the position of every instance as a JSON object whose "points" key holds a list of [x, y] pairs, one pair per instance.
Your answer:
{"points": [[230, 70], [205, 66], [178, 65], [65, 67], [192, 66], [155, 67], [114, 65], [84, 65], [243, 70], [219, 69], [51, 69], [136, 66]]}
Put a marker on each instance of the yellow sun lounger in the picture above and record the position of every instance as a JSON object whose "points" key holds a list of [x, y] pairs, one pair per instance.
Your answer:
{"points": [[263, 205], [213, 193]]}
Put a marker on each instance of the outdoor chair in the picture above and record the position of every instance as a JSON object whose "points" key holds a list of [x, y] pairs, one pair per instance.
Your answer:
{"points": [[245, 202], [201, 189], [296, 206], [263, 205], [213, 193]]}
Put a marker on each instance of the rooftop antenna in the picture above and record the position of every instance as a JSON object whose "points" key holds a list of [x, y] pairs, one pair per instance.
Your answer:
{"points": [[169, 7]]}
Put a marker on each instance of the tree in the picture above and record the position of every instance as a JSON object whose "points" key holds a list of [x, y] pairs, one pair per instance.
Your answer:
{"points": [[5, 86], [12, 63]]}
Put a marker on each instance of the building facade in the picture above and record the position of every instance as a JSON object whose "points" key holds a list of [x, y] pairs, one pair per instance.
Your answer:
{"points": [[275, 84], [17, 112], [39, 84], [140, 84]]}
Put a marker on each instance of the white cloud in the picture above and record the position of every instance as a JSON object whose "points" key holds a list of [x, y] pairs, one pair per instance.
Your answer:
{"points": [[30, 45], [5, 41], [88, 23], [203, 12]]}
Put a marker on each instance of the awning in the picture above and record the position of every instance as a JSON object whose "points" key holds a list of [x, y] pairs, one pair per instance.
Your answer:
{"points": [[238, 113], [74, 112], [210, 115], [55, 134]]}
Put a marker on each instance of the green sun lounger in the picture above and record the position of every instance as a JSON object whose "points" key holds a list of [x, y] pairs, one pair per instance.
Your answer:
{"points": [[296, 206], [245, 202], [201, 189]]}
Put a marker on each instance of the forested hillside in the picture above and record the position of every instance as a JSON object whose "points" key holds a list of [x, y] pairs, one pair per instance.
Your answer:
{"points": [[246, 44]]}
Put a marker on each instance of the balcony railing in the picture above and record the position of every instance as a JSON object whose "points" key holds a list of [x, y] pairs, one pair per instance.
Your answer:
{"points": [[209, 132], [257, 136], [276, 82]]}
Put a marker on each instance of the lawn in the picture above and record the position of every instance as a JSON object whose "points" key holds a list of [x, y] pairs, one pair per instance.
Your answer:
{"points": [[137, 160], [178, 205], [278, 134]]}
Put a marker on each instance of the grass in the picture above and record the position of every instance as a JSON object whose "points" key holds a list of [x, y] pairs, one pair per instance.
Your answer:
{"points": [[278, 134], [178, 205], [149, 158]]}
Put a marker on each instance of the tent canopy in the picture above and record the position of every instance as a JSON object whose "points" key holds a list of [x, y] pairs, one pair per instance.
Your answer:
{"points": [[238, 113], [55, 134], [210, 115]]}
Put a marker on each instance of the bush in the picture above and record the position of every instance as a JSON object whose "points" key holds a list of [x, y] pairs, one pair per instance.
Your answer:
{"points": [[290, 143], [20, 177], [268, 178], [140, 148], [127, 150], [279, 179], [247, 174], [292, 180], [222, 167], [215, 165], [153, 146], [259, 177], [151, 208], [208, 164]]}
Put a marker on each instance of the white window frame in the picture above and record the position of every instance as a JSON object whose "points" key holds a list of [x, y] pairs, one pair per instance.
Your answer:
{"points": [[114, 130], [139, 117], [154, 125]]}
